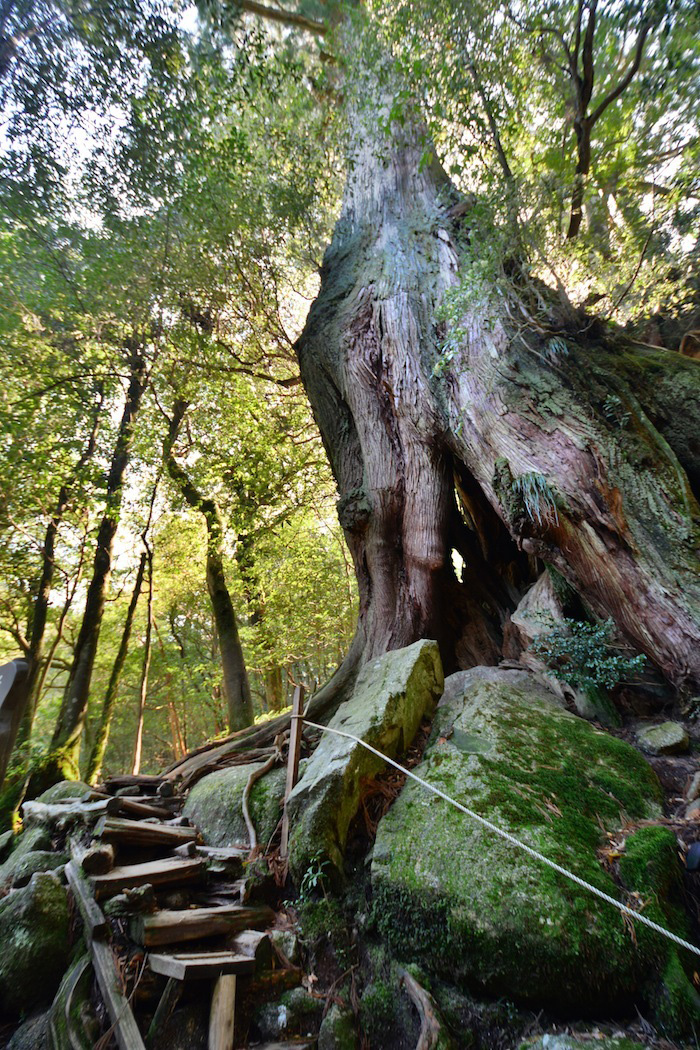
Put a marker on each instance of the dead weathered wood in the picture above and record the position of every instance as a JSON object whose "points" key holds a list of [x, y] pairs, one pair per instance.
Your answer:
{"points": [[256, 945], [60, 813], [142, 780], [90, 912], [174, 927], [295, 732], [166, 1004], [190, 965], [137, 808], [167, 872], [98, 860], [223, 1012], [140, 833], [186, 849], [429, 1035], [166, 789], [126, 1031]]}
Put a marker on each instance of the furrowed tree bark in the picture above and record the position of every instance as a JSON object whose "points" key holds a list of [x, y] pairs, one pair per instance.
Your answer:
{"points": [[405, 427], [99, 747], [62, 761], [235, 677]]}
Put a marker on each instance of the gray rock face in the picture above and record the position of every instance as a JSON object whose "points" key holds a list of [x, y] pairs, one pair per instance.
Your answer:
{"points": [[37, 860], [26, 842], [459, 900], [338, 1031], [669, 738], [215, 805], [35, 944], [391, 696], [65, 789]]}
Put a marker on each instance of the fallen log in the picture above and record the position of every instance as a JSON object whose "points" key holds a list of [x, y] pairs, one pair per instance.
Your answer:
{"points": [[429, 1035], [139, 833], [167, 872], [174, 927]]}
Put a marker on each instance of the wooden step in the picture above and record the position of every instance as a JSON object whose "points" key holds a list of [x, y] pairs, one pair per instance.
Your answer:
{"points": [[171, 871], [185, 965], [141, 833], [174, 927]]}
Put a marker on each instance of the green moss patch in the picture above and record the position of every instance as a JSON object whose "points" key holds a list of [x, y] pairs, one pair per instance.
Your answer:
{"points": [[215, 805], [473, 907]]}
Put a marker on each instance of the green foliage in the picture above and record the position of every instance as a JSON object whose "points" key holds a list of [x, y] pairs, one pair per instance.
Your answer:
{"points": [[378, 1011], [314, 879], [584, 655]]}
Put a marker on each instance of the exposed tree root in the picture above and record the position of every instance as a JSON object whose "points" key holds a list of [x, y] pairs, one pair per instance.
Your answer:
{"points": [[429, 1024], [275, 757]]}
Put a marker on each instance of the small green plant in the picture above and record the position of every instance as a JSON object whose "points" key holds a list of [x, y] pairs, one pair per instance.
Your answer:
{"points": [[538, 497], [614, 410], [314, 878], [584, 655]]}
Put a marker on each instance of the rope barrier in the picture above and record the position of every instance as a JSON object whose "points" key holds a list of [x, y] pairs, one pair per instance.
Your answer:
{"points": [[637, 916]]}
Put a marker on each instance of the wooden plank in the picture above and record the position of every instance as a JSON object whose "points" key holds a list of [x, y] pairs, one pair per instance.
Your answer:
{"points": [[223, 1012], [125, 1029], [171, 871], [175, 927], [166, 1004], [140, 833], [139, 809], [295, 732], [197, 965], [90, 912]]}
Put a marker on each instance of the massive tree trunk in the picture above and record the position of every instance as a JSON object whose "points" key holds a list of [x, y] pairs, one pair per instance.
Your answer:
{"points": [[235, 677], [65, 745], [538, 437]]}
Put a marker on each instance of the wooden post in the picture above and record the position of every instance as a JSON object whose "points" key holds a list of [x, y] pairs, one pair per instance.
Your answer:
{"points": [[223, 1009], [293, 760]]}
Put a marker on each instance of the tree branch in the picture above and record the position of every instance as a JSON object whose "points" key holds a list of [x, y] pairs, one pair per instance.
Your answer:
{"points": [[624, 83], [288, 18]]}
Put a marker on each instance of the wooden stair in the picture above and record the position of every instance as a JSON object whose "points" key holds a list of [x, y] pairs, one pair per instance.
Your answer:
{"points": [[203, 904]]}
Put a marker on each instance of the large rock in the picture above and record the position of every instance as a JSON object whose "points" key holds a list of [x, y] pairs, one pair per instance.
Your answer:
{"points": [[34, 934], [64, 790], [215, 805], [474, 908], [391, 696], [573, 1042], [25, 843], [669, 738]]}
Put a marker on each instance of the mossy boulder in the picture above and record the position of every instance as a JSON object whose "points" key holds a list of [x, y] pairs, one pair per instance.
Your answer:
{"points": [[669, 738], [34, 934], [476, 910], [37, 860], [338, 1030], [215, 805], [65, 789], [31, 840], [391, 696]]}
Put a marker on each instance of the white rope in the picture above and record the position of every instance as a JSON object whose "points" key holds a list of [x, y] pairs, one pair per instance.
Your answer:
{"points": [[637, 916]]}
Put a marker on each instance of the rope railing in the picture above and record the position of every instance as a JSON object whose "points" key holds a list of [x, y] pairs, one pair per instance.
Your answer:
{"points": [[490, 826]]}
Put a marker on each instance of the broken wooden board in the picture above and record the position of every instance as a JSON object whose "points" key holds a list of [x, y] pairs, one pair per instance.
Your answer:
{"points": [[174, 927], [188, 965], [125, 1029], [170, 871], [91, 914], [255, 945], [141, 833]]}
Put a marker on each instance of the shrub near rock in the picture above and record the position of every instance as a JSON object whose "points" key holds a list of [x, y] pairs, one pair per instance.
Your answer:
{"points": [[474, 908], [34, 934]]}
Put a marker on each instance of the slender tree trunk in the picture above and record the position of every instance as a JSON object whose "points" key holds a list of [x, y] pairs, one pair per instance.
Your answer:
{"points": [[36, 672], [235, 678], [143, 686], [429, 459], [99, 747], [65, 744]]}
